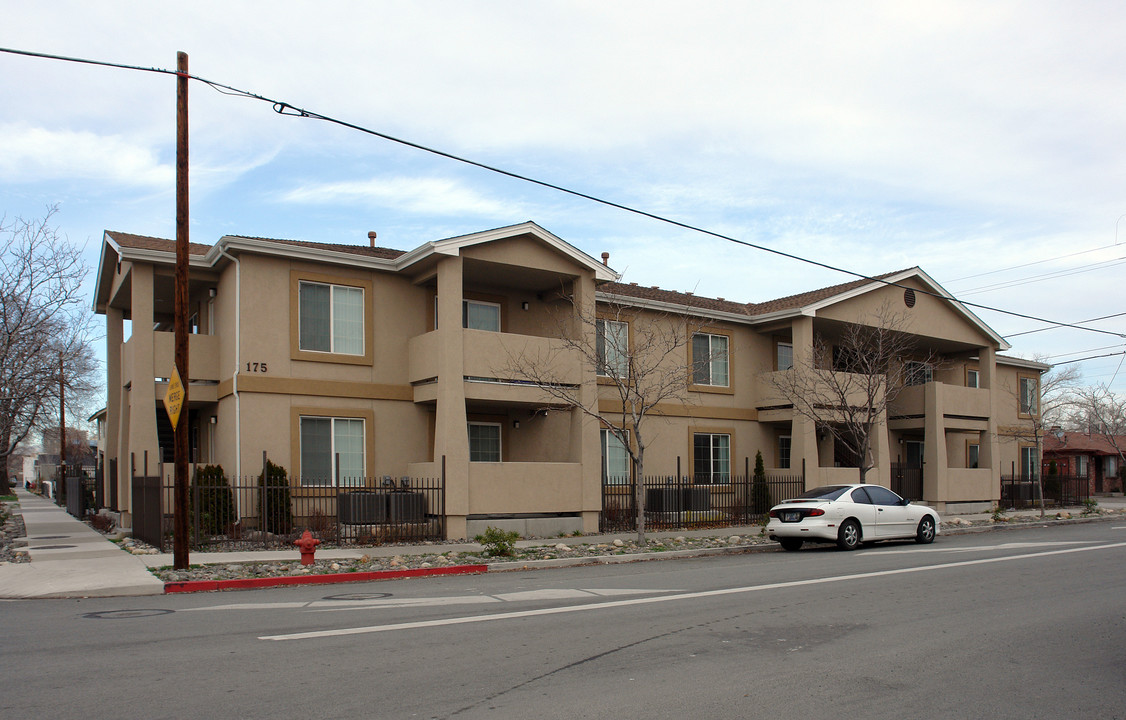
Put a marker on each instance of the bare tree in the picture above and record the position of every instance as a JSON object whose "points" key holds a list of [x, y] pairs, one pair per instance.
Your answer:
{"points": [[1046, 410], [45, 329], [640, 360], [844, 387], [1103, 413]]}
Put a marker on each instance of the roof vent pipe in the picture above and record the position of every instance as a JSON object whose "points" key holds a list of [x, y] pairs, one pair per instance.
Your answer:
{"points": [[606, 258], [371, 237]]}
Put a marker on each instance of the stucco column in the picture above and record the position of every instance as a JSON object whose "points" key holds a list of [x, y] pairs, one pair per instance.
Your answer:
{"points": [[881, 449], [585, 445], [935, 463], [803, 431], [989, 455], [114, 334], [142, 396], [451, 435]]}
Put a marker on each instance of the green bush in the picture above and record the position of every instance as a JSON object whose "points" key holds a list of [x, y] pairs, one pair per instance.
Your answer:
{"points": [[497, 542], [216, 509], [760, 491], [275, 512]]}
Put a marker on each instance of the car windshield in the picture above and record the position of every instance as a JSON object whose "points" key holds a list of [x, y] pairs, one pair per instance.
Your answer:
{"points": [[828, 492]]}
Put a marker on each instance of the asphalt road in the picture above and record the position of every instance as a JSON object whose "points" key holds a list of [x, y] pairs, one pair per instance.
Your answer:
{"points": [[1019, 624]]}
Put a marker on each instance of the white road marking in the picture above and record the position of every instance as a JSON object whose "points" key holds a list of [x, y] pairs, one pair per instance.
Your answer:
{"points": [[392, 602], [669, 598], [975, 548]]}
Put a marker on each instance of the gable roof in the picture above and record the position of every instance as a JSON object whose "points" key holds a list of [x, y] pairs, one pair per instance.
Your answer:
{"points": [[1081, 443]]}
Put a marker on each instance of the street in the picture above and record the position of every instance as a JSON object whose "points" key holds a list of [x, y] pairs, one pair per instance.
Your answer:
{"points": [[1024, 623]]}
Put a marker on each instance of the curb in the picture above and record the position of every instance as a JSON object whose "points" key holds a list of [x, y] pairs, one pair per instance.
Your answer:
{"points": [[191, 586]]}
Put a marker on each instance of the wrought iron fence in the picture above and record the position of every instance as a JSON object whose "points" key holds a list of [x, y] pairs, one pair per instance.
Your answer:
{"points": [[678, 502], [250, 514], [1022, 491], [907, 482], [80, 495]]}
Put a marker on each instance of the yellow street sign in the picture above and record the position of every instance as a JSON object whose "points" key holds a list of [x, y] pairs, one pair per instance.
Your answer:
{"points": [[174, 398]]}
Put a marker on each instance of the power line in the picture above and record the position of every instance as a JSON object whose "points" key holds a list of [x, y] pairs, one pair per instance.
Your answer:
{"points": [[284, 108], [1029, 264], [1080, 352], [1077, 322], [1046, 276]]}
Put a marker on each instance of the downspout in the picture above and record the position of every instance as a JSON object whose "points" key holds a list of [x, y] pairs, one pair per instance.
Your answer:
{"points": [[238, 362]]}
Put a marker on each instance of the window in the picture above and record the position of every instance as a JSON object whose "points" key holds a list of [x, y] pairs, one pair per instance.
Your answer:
{"points": [[917, 373], [709, 360], [784, 356], [783, 451], [1110, 467], [484, 442], [612, 348], [971, 378], [331, 318], [973, 453], [615, 459], [477, 315], [1028, 396], [1081, 465], [1028, 462], [711, 458], [332, 451], [882, 496]]}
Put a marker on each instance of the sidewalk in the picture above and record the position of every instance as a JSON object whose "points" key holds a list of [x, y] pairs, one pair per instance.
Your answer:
{"points": [[70, 559]]}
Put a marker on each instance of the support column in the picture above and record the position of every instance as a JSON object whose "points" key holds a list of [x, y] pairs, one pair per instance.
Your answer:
{"points": [[585, 444], [451, 434], [989, 455], [142, 395], [114, 334], [803, 431], [935, 463]]}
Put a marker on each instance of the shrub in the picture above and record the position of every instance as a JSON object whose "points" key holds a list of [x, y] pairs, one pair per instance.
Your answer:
{"points": [[760, 491], [497, 542], [216, 500], [275, 511]]}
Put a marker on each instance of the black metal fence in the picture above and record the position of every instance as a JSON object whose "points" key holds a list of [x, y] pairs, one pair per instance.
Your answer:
{"points": [[1022, 491], [676, 503], [907, 482], [80, 495], [249, 514]]}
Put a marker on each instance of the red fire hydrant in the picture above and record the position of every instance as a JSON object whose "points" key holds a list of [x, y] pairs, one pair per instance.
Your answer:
{"points": [[307, 544]]}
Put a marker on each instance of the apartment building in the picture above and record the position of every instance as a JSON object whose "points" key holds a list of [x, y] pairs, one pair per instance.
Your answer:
{"points": [[345, 363]]}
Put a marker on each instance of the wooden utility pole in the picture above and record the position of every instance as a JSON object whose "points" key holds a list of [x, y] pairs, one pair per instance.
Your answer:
{"points": [[61, 489], [180, 497]]}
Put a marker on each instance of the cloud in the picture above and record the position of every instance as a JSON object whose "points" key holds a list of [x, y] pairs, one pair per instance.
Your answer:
{"points": [[442, 196], [34, 154]]}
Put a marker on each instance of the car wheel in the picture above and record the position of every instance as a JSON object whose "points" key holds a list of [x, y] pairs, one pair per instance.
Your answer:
{"points": [[848, 537], [925, 534], [790, 543]]}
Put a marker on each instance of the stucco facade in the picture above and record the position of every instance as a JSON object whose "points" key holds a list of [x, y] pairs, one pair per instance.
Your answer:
{"points": [[403, 360]]}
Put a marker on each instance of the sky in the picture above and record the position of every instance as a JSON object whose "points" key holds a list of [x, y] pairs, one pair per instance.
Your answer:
{"points": [[979, 141]]}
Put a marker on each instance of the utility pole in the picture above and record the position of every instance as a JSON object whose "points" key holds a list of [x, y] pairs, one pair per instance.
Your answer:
{"points": [[60, 490], [180, 501]]}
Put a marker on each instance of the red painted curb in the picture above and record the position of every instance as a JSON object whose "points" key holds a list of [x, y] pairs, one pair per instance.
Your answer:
{"points": [[188, 586]]}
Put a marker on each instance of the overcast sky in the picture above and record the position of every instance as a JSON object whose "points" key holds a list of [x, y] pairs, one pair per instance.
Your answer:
{"points": [[982, 142]]}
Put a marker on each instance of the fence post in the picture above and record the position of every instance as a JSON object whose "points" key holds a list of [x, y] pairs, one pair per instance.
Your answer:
{"points": [[443, 515]]}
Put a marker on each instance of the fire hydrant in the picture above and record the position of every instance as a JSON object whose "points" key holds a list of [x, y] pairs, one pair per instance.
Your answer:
{"points": [[307, 544]]}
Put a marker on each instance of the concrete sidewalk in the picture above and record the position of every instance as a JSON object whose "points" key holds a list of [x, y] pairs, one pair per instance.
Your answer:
{"points": [[70, 559]]}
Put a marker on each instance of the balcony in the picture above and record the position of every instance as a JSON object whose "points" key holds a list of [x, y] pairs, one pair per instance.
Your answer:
{"points": [[963, 407], [203, 357], [772, 397], [490, 356]]}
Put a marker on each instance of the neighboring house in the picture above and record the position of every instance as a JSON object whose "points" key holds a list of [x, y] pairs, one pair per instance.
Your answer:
{"points": [[1092, 456], [344, 361]]}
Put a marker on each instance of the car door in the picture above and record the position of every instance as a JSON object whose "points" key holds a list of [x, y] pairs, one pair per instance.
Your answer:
{"points": [[893, 518], [861, 507]]}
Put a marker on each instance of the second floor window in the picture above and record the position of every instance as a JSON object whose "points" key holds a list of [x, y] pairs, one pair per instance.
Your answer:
{"points": [[784, 356], [971, 378], [477, 315], [331, 318], [710, 360], [917, 373], [784, 451], [1028, 396], [612, 348]]}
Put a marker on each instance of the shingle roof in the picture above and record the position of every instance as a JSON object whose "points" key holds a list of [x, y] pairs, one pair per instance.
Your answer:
{"points": [[143, 242], [1078, 442], [365, 250], [672, 297], [793, 302]]}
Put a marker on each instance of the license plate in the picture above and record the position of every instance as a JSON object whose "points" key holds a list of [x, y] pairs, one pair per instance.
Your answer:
{"points": [[791, 516]]}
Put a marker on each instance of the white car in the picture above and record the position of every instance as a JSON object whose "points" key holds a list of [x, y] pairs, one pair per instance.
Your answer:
{"points": [[849, 515]]}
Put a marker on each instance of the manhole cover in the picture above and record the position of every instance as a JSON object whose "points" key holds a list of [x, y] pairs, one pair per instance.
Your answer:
{"points": [[126, 614], [50, 537], [358, 596], [52, 547]]}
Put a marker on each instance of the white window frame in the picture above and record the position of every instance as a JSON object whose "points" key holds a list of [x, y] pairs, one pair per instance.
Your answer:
{"points": [[1030, 462], [1028, 391], [466, 304], [914, 371], [333, 340], [344, 478], [614, 476], [714, 476], [612, 349], [500, 440], [973, 380], [778, 355], [712, 361], [973, 455]]}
